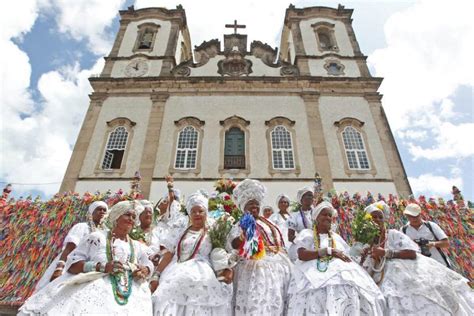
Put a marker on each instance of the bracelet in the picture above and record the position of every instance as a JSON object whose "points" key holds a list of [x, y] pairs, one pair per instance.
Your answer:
{"points": [[89, 266], [389, 254], [155, 276], [61, 262], [329, 251], [101, 267]]}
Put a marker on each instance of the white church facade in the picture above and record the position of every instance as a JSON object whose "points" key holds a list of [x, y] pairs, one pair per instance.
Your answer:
{"points": [[233, 110]]}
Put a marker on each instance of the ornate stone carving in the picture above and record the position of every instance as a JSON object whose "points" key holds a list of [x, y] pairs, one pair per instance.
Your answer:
{"points": [[206, 51], [289, 70], [183, 69], [234, 65], [264, 52]]}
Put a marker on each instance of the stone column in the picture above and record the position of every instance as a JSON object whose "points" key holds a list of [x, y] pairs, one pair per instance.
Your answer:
{"points": [[389, 146], [82, 144], [169, 61], [318, 142], [152, 138], [301, 60], [110, 60]]}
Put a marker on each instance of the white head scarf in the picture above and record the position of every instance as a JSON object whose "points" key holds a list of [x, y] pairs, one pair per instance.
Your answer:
{"points": [[380, 206], [95, 205], [321, 206], [146, 204], [123, 207], [197, 199], [248, 190], [264, 208], [282, 197], [302, 192]]}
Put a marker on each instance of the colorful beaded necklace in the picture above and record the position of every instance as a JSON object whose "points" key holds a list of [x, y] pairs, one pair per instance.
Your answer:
{"points": [[322, 264], [196, 245], [122, 282]]}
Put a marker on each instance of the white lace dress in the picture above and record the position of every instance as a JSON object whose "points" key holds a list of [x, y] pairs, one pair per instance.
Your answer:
{"points": [[190, 287], [344, 288], [298, 221], [96, 296], [278, 220], [422, 286], [261, 286], [75, 235]]}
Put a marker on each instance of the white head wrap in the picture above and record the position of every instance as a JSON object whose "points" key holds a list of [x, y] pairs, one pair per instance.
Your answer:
{"points": [[146, 204], [197, 199], [302, 192], [378, 206], [264, 208], [248, 190], [321, 206], [123, 207], [283, 197], [95, 205]]}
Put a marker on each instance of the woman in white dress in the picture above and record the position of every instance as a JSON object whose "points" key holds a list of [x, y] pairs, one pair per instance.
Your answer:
{"points": [[301, 218], [106, 274], [280, 217], [325, 280], [260, 284], [96, 213], [412, 283], [188, 285]]}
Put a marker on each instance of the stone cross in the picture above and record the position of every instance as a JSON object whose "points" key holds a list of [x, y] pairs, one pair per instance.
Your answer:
{"points": [[235, 26]]}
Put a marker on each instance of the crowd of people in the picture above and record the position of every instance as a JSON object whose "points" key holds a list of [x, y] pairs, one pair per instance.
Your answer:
{"points": [[278, 262]]}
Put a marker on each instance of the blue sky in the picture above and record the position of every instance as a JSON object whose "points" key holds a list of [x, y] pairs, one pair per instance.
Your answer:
{"points": [[421, 48]]}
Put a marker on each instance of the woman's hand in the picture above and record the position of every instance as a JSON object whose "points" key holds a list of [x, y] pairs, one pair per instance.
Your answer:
{"points": [[154, 285], [57, 273], [378, 253], [114, 267], [155, 259], [140, 273], [228, 276], [340, 255]]}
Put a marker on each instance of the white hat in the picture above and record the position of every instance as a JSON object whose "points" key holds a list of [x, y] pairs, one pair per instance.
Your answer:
{"points": [[379, 206], [412, 210], [283, 197], [221, 260], [302, 192], [248, 190], [95, 205], [197, 199], [321, 206], [123, 207]]}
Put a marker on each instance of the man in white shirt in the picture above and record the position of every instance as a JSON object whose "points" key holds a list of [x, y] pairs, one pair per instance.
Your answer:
{"points": [[428, 235]]}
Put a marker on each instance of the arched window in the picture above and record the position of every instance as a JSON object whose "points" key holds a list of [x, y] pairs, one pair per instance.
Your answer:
{"points": [[234, 149], [115, 148], [355, 149], [282, 148], [334, 67], [146, 36], [186, 149], [325, 36]]}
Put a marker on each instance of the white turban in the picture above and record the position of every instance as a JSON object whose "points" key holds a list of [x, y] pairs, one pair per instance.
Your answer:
{"points": [[123, 207], [248, 190], [264, 208], [380, 206], [146, 204], [95, 205], [321, 206], [302, 192], [197, 199], [283, 197]]}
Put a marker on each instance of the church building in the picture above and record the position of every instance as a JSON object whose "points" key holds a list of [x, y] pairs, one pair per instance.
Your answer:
{"points": [[232, 109]]}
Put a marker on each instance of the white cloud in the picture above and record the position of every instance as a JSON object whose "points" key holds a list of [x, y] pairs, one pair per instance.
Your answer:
{"points": [[428, 55], [451, 141], [88, 20], [429, 184]]}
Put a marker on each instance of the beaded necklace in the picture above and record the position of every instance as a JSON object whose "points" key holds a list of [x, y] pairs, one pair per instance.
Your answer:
{"points": [[275, 247], [196, 245], [122, 282], [303, 218], [380, 269], [322, 264]]}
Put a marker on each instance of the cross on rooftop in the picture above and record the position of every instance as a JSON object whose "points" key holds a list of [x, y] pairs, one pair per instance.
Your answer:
{"points": [[235, 26]]}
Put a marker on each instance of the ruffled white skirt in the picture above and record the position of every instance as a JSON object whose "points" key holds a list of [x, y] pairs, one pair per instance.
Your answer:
{"points": [[191, 288], [261, 286]]}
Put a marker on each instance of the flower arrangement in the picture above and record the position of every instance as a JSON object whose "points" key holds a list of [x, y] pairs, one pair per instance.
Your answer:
{"points": [[225, 185], [364, 230], [223, 203], [219, 231]]}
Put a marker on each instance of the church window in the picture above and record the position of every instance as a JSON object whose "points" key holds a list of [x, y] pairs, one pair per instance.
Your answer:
{"points": [[355, 149], [282, 148], [146, 37], [234, 150], [115, 149], [334, 67], [186, 151], [325, 36]]}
